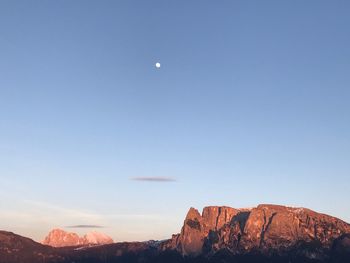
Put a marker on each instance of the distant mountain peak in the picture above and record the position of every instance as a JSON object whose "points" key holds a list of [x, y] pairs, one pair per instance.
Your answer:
{"points": [[60, 238], [96, 238]]}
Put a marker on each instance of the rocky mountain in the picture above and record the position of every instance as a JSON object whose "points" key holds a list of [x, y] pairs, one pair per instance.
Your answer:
{"points": [[61, 238], [266, 229], [266, 233], [96, 238]]}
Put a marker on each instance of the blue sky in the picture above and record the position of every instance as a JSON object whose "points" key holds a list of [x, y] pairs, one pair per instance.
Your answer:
{"points": [[251, 105]]}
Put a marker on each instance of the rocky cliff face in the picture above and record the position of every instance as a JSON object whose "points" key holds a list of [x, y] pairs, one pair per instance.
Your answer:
{"points": [[61, 238], [197, 228], [265, 229]]}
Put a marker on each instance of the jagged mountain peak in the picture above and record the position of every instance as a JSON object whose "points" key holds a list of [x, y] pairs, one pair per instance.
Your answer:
{"points": [[60, 238], [97, 238], [266, 227]]}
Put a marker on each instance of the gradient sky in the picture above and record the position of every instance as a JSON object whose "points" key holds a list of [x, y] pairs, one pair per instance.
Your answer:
{"points": [[251, 105]]}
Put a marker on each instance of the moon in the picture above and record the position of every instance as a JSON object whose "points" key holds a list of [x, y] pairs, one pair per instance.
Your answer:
{"points": [[158, 65]]}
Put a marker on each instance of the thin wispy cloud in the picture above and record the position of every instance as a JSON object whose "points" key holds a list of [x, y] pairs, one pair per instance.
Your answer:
{"points": [[156, 179], [85, 226], [63, 211]]}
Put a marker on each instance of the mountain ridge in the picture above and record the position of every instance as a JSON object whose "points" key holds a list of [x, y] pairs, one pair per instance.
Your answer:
{"points": [[265, 233], [265, 227]]}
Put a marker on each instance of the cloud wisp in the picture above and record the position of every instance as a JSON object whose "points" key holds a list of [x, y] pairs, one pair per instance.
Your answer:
{"points": [[154, 179], [85, 226]]}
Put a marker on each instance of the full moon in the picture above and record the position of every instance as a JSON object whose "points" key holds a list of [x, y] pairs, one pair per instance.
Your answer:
{"points": [[157, 65]]}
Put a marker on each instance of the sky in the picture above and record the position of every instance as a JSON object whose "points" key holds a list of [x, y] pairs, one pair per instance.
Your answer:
{"points": [[250, 105]]}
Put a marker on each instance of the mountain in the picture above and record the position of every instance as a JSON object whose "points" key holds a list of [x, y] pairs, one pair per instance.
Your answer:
{"points": [[18, 249], [266, 233], [267, 229], [96, 238], [61, 238]]}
